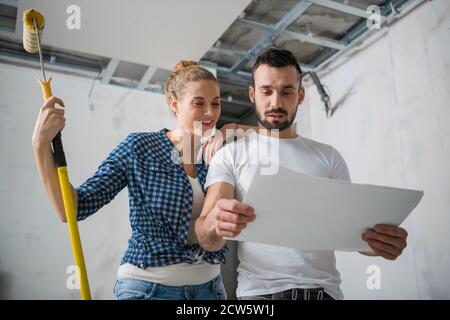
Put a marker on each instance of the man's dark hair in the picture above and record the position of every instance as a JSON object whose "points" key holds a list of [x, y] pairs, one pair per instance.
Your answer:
{"points": [[277, 58]]}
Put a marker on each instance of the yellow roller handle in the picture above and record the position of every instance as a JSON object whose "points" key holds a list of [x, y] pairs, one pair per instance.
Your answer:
{"points": [[46, 89], [74, 233], [70, 214]]}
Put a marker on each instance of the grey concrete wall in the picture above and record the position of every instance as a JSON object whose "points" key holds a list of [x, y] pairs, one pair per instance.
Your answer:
{"points": [[392, 127], [35, 249]]}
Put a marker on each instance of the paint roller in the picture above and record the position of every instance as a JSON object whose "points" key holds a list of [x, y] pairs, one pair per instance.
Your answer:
{"points": [[33, 26]]}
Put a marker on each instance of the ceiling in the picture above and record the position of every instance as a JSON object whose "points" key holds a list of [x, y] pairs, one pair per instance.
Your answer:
{"points": [[136, 43], [137, 31]]}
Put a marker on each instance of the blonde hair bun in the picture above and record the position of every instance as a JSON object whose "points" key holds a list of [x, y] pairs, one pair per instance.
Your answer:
{"points": [[184, 64]]}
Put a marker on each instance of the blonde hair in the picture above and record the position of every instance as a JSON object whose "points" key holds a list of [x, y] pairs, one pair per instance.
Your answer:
{"points": [[184, 72]]}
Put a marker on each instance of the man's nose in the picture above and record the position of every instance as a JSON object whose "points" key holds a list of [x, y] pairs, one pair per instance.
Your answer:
{"points": [[276, 100]]}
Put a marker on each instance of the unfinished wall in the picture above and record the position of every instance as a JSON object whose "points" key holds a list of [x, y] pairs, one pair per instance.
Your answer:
{"points": [[392, 127], [35, 249]]}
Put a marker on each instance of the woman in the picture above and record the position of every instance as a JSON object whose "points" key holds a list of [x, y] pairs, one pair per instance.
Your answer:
{"points": [[163, 259]]}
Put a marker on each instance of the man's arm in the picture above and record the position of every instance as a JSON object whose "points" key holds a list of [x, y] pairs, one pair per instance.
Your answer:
{"points": [[386, 241], [222, 216]]}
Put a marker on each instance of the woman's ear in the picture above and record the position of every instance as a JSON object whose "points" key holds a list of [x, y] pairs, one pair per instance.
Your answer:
{"points": [[173, 105]]}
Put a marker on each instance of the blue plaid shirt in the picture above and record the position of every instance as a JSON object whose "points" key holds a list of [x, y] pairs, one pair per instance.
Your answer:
{"points": [[160, 200]]}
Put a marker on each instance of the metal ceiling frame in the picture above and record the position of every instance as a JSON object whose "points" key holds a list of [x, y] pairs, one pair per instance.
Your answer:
{"points": [[361, 32], [345, 8], [148, 75], [303, 37], [234, 74], [279, 27], [355, 35], [109, 70]]}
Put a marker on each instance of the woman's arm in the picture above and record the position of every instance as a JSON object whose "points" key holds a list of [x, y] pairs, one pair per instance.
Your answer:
{"points": [[49, 178], [50, 121], [97, 191]]}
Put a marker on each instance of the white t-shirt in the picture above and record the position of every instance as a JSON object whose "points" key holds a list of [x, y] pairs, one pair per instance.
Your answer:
{"points": [[266, 269]]}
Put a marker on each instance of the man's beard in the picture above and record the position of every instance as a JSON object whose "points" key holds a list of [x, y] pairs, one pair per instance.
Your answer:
{"points": [[276, 125]]}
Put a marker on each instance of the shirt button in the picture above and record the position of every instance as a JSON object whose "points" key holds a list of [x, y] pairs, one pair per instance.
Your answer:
{"points": [[141, 265]]}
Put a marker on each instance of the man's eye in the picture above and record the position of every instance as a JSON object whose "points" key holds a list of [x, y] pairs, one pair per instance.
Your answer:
{"points": [[198, 104], [266, 92], [287, 93], [216, 104]]}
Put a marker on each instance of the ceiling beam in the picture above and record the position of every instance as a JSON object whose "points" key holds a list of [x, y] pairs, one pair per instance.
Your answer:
{"points": [[228, 51], [11, 3], [109, 70], [345, 8], [148, 75], [236, 102], [305, 67], [49, 67], [320, 41], [303, 37]]}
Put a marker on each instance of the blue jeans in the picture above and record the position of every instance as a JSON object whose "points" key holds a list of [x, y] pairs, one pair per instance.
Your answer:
{"points": [[131, 289]]}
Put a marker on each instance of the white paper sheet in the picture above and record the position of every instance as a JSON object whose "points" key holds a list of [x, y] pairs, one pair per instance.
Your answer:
{"points": [[311, 213]]}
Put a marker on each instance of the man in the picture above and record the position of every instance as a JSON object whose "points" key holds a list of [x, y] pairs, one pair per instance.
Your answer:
{"points": [[270, 272]]}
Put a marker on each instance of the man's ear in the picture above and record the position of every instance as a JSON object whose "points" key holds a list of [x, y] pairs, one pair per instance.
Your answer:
{"points": [[251, 93], [301, 95]]}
